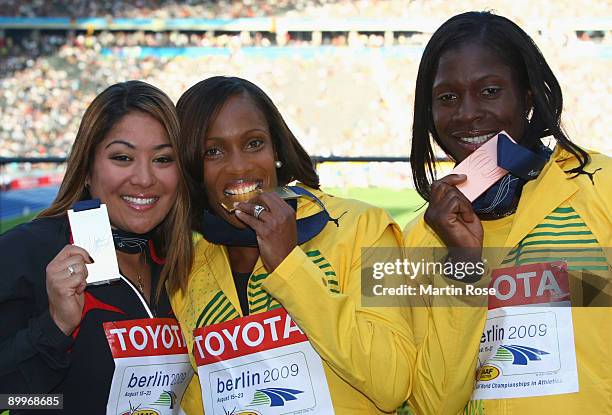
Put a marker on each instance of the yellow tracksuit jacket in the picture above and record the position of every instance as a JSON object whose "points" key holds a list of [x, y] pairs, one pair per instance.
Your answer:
{"points": [[587, 206], [368, 354]]}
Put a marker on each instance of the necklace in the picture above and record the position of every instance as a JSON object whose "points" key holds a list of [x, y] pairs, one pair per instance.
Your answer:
{"points": [[140, 286]]}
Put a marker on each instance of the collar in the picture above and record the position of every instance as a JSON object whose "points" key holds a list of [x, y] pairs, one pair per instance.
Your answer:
{"points": [[218, 231], [541, 196], [522, 165]]}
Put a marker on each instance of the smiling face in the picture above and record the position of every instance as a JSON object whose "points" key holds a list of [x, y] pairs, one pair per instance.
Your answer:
{"points": [[134, 173], [238, 155], [475, 95]]}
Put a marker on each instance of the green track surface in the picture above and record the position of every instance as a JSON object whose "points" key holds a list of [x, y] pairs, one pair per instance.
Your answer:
{"points": [[402, 205], [5, 225]]}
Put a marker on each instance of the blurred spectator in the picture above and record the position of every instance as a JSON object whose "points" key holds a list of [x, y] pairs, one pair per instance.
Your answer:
{"points": [[522, 10], [352, 100]]}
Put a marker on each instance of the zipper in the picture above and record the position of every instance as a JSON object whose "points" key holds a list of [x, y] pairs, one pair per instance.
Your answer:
{"points": [[140, 296]]}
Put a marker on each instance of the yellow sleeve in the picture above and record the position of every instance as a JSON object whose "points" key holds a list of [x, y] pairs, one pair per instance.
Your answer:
{"points": [[447, 339], [370, 348], [192, 403], [447, 335]]}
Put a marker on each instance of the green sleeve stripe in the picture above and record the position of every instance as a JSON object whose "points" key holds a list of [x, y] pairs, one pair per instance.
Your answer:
{"points": [[316, 261], [219, 314], [313, 253], [557, 234], [551, 217], [588, 268], [330, 273], [210, 304], [561, 225], [333, 290], [332, 282], [562, 242], [564, 210], [254, 294], [261, 307], [326, 265], [571, 260], [256, 278], [232, 313], [474, 408], [556, 250], [259, 300]]}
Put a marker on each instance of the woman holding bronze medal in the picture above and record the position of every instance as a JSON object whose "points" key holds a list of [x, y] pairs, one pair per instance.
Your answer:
{"points": [[276, 263], [60, 335], [481, 75]]}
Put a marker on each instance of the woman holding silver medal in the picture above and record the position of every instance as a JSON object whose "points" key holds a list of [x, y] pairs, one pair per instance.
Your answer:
{"points": [[547, 219], [54, 335], [259, 253]]}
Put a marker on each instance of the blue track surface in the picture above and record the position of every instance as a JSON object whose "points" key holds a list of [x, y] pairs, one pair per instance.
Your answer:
{"points": [[15, 203]]}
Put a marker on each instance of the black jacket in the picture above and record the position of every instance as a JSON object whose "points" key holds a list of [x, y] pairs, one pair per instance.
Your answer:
{"points": [[35, 355]]}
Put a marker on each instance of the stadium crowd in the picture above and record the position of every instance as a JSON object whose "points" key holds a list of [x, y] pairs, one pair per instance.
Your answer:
{"points": [[352, 100], [208, 9], [42, 103]]}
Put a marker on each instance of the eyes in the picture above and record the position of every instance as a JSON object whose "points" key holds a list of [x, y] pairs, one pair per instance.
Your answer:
{"points": [[446, 97], [122, 158], [489, 92], [217, 150]]}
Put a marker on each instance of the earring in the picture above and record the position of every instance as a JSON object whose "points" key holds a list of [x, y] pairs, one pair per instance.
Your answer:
{"points": [[278, 164]]}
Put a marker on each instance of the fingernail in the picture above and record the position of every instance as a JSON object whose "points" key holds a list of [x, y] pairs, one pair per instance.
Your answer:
{"points": [[237, 211], [235, 204]]}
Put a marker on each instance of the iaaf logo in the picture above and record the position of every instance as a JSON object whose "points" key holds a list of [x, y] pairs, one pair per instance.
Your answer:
{"points": [[519, 355], [141, 412], [274, 396], [166, 398], [240, 412], [137, 411]]}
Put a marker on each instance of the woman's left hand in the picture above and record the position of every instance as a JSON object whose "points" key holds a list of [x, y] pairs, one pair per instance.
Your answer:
{"points": [[275, 227]]}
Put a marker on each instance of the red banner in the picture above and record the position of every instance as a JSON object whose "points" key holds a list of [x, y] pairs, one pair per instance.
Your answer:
{"points": [[145, 337], [540, 283], [244, 336]]}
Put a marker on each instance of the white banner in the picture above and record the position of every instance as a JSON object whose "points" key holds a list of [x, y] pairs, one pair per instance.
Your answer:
{"points": [[260, 364]]}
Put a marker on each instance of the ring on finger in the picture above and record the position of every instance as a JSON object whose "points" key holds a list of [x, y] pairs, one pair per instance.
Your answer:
{"points": [[71, 270], [258, 211]]}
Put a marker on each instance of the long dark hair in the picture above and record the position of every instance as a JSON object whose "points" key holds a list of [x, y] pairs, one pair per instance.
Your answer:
{"points": [[521, 54], [197, 109], [172, 237]]}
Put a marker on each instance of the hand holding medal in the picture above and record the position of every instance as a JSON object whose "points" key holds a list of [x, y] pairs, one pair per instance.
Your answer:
{"points": [[451, 216], [274, 222]]}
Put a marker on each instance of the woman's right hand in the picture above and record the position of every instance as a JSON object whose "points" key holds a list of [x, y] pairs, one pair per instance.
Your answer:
{"points": [[451, 216], [65, 288]]}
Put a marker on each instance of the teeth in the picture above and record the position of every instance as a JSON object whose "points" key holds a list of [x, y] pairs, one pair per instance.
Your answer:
{"points": [[242, 189], [478, 139], [139, 200]]}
